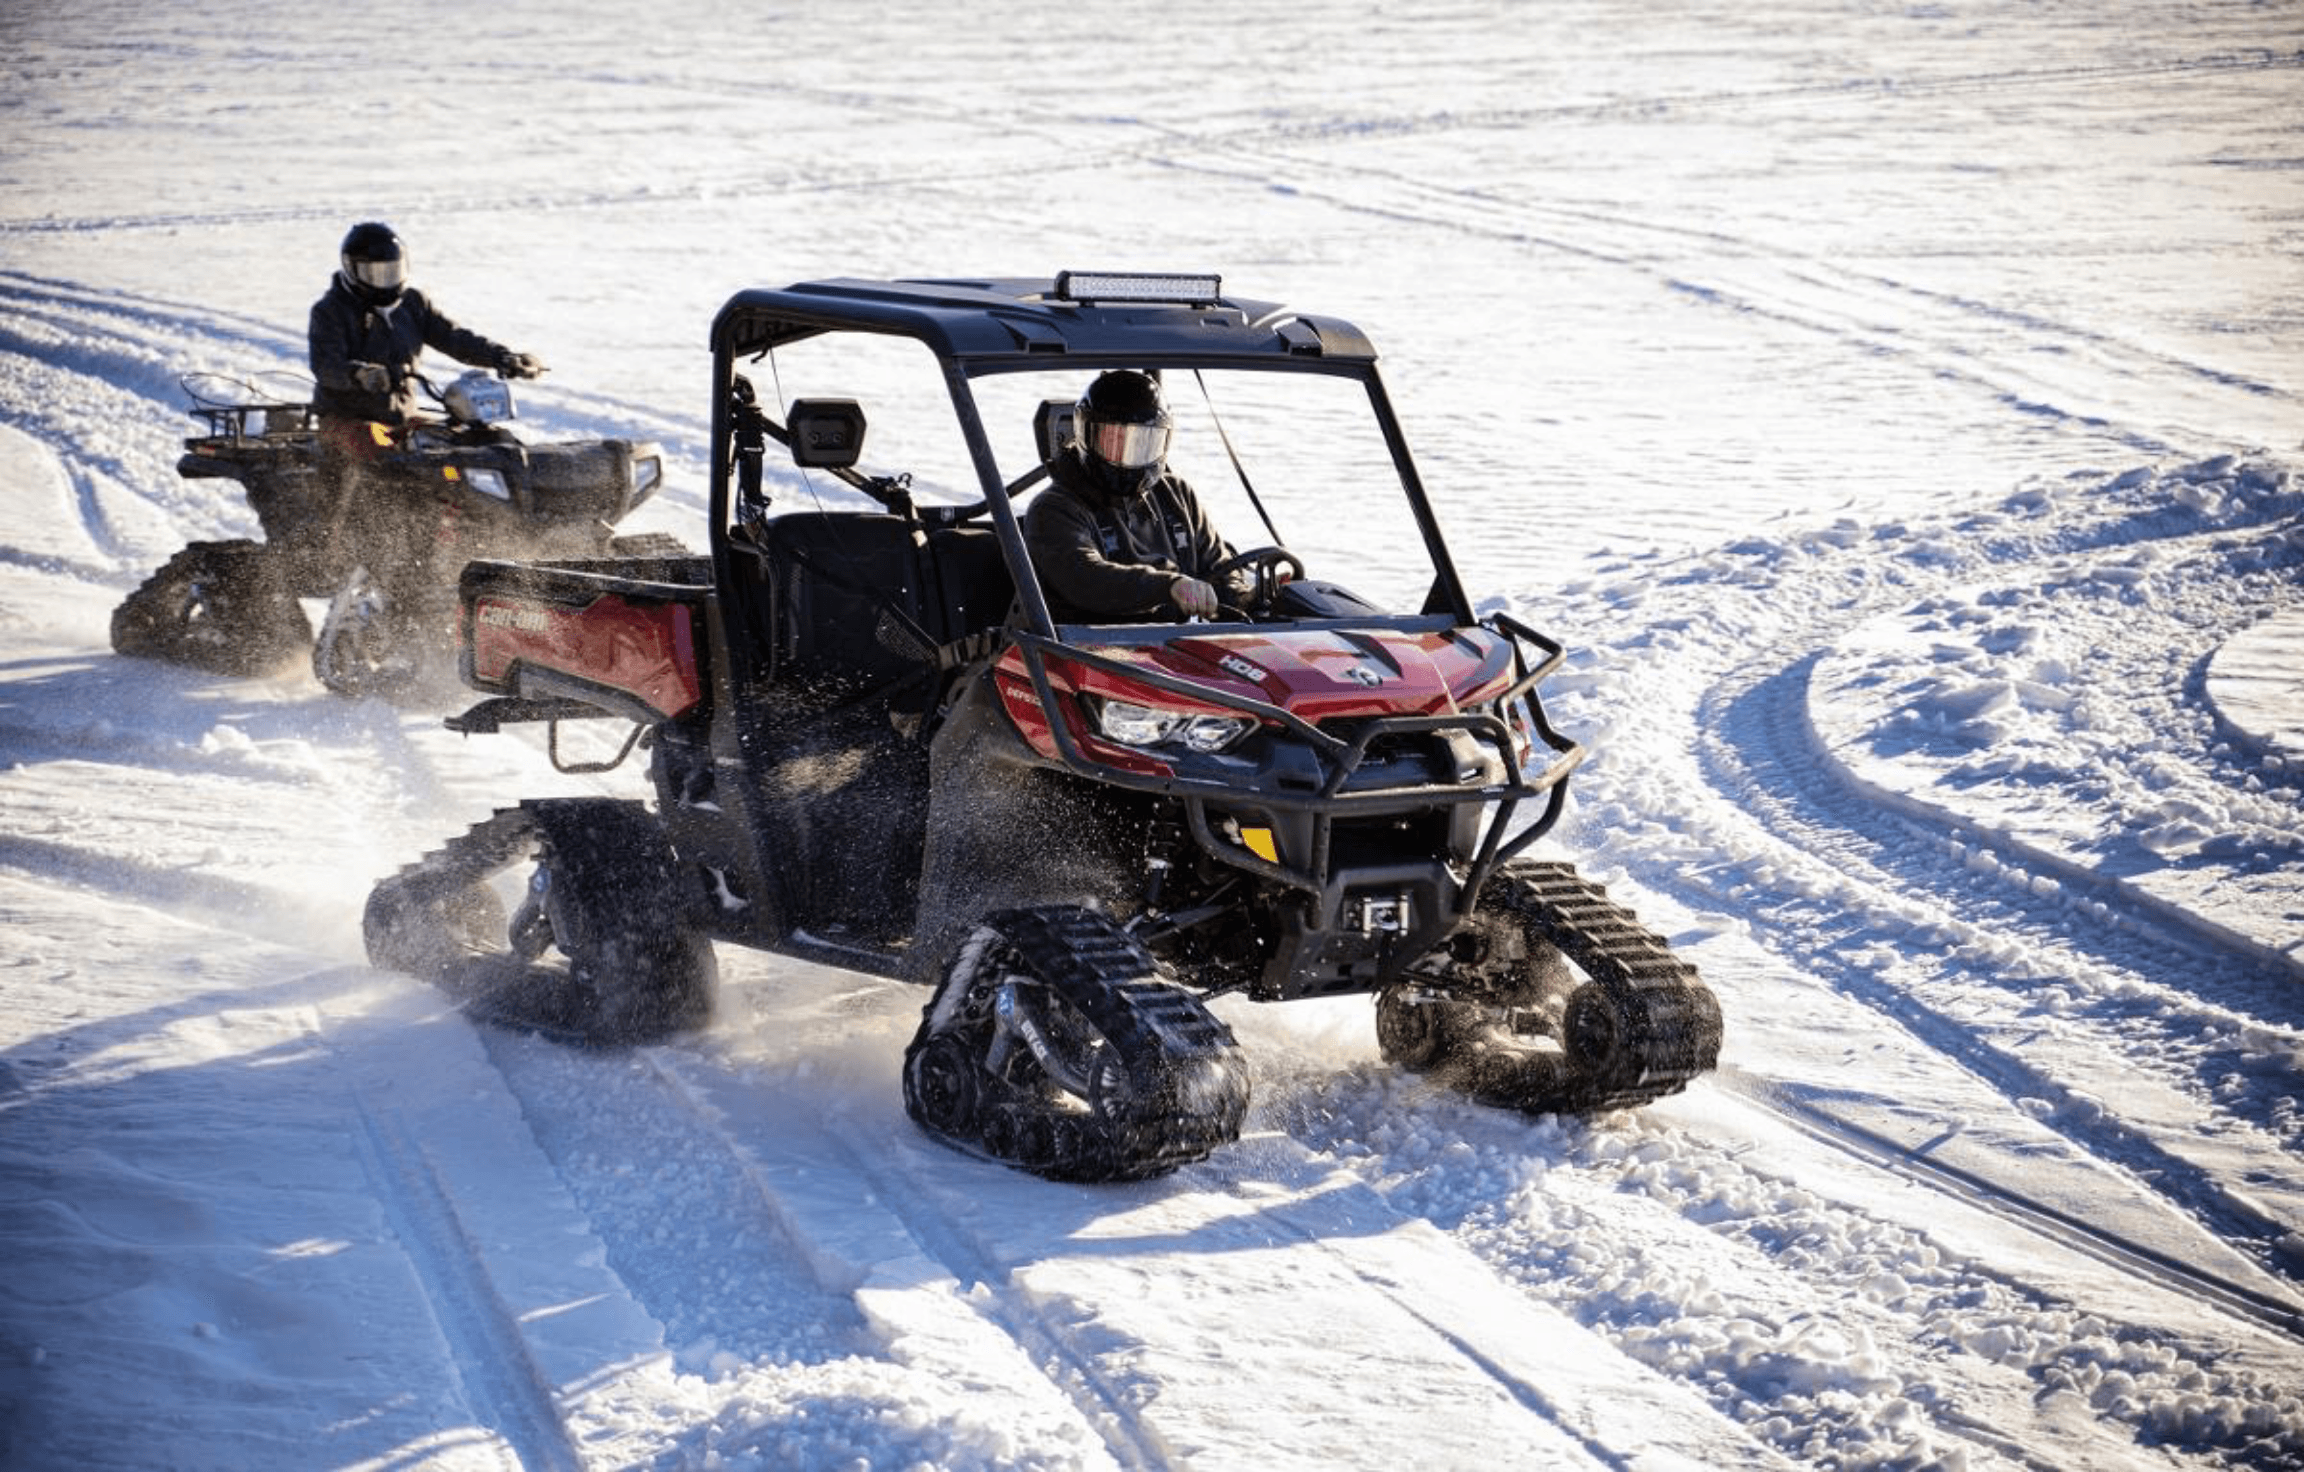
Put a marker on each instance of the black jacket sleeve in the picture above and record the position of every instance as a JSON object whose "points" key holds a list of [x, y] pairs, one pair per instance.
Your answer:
{"points": [[1082, 579], [1119, 562], [461, 343]]}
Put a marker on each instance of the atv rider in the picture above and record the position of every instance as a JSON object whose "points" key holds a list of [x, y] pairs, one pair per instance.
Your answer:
{"points": [[1115, 537], [366, 334], [371, 326]]}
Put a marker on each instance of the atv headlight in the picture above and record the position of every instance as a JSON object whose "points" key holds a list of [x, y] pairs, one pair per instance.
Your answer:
{"points": [[488, 482], [1131, 724]]}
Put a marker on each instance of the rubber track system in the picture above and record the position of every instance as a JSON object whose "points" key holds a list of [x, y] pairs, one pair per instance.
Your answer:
{"points": [[214, 606], [1168, 1084], [1641, 1026], [409, 925], [633, 974]]}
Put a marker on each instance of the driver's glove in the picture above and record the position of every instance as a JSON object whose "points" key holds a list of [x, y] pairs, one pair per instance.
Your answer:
{"points": [[372, 378], [519, 365], [1196, 598]]}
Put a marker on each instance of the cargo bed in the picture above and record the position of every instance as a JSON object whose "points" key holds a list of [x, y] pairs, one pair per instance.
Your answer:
{"points": [[558, 640]]}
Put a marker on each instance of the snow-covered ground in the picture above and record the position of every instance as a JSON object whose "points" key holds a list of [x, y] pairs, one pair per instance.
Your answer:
{"points": [[1896, 409]]}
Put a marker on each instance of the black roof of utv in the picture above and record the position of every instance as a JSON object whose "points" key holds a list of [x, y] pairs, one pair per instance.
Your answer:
{"points": [[1012, 321], [1092, 319]]}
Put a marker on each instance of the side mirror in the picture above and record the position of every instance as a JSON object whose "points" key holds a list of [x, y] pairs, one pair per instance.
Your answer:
{"points": [[825, 434]]}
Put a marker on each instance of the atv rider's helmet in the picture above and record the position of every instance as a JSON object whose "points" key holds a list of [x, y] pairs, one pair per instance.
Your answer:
{"points": [[375, 264], [1123, 429]]}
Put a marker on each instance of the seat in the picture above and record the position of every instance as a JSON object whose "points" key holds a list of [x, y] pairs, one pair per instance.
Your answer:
{"points": [[835, 579], [974, 589]]}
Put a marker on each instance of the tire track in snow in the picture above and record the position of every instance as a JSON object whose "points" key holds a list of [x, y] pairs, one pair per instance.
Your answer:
{"points": [[2142, 1260], [666, 1187], [1762, 745], [1027, 1263], [804, 1269], [501, 1378], [1862, 880], [1102, 1402], [1490, 1366], [1760, 754], [1271, 1247], [958, 1302]]}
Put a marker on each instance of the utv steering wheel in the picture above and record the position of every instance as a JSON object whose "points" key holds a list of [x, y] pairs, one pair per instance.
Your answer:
{"points": [[1269, 563]]}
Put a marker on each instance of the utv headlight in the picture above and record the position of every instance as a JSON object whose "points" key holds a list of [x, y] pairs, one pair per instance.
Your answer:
{"points": [[1131, 724], [646, 472], [488, 482]]}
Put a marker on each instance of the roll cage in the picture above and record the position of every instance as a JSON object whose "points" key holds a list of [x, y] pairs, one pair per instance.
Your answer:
{"points": [[983, 327]]}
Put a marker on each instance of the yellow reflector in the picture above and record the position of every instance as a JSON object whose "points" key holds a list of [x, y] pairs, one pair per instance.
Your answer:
{"points": [[381, 434], [1259, 842], [450, 472]]}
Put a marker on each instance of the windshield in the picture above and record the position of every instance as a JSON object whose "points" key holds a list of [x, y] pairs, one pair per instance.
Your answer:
{"points": [[1313, 473]]}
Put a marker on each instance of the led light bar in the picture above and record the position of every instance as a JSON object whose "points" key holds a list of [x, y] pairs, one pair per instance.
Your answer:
{"points": [[1139, 286]]}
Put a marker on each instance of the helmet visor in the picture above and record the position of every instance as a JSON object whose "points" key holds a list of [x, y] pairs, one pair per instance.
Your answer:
{"points": [[389, 274], [1129, 446]]}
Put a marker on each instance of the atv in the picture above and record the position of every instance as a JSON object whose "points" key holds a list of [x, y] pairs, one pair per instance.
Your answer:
{"points": [[383, 548], [870, 744]]}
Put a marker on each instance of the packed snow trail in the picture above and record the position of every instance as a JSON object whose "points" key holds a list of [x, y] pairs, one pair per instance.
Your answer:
{"points": [[1999, 1170], [764, 1233]]}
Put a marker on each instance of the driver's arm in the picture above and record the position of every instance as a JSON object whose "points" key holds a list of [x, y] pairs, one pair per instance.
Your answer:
{"points": [[444, 334], [1068, 554], [1208, 550]]}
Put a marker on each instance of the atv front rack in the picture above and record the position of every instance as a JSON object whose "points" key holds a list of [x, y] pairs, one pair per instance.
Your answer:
{"points": [[243, 420]]}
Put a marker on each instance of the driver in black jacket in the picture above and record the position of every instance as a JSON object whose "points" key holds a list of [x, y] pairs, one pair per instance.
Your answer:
{"points": [[367, 333], [1115, 537]]}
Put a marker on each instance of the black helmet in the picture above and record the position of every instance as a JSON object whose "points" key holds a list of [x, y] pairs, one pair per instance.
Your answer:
{"points": [[1123, 429], [375, 263]]}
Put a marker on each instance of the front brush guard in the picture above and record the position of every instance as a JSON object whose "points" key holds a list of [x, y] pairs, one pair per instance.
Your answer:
{"points": [[1339, 759]]}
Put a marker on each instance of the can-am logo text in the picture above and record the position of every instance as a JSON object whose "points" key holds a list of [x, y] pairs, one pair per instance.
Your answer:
{"points": [[531, 620]]}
